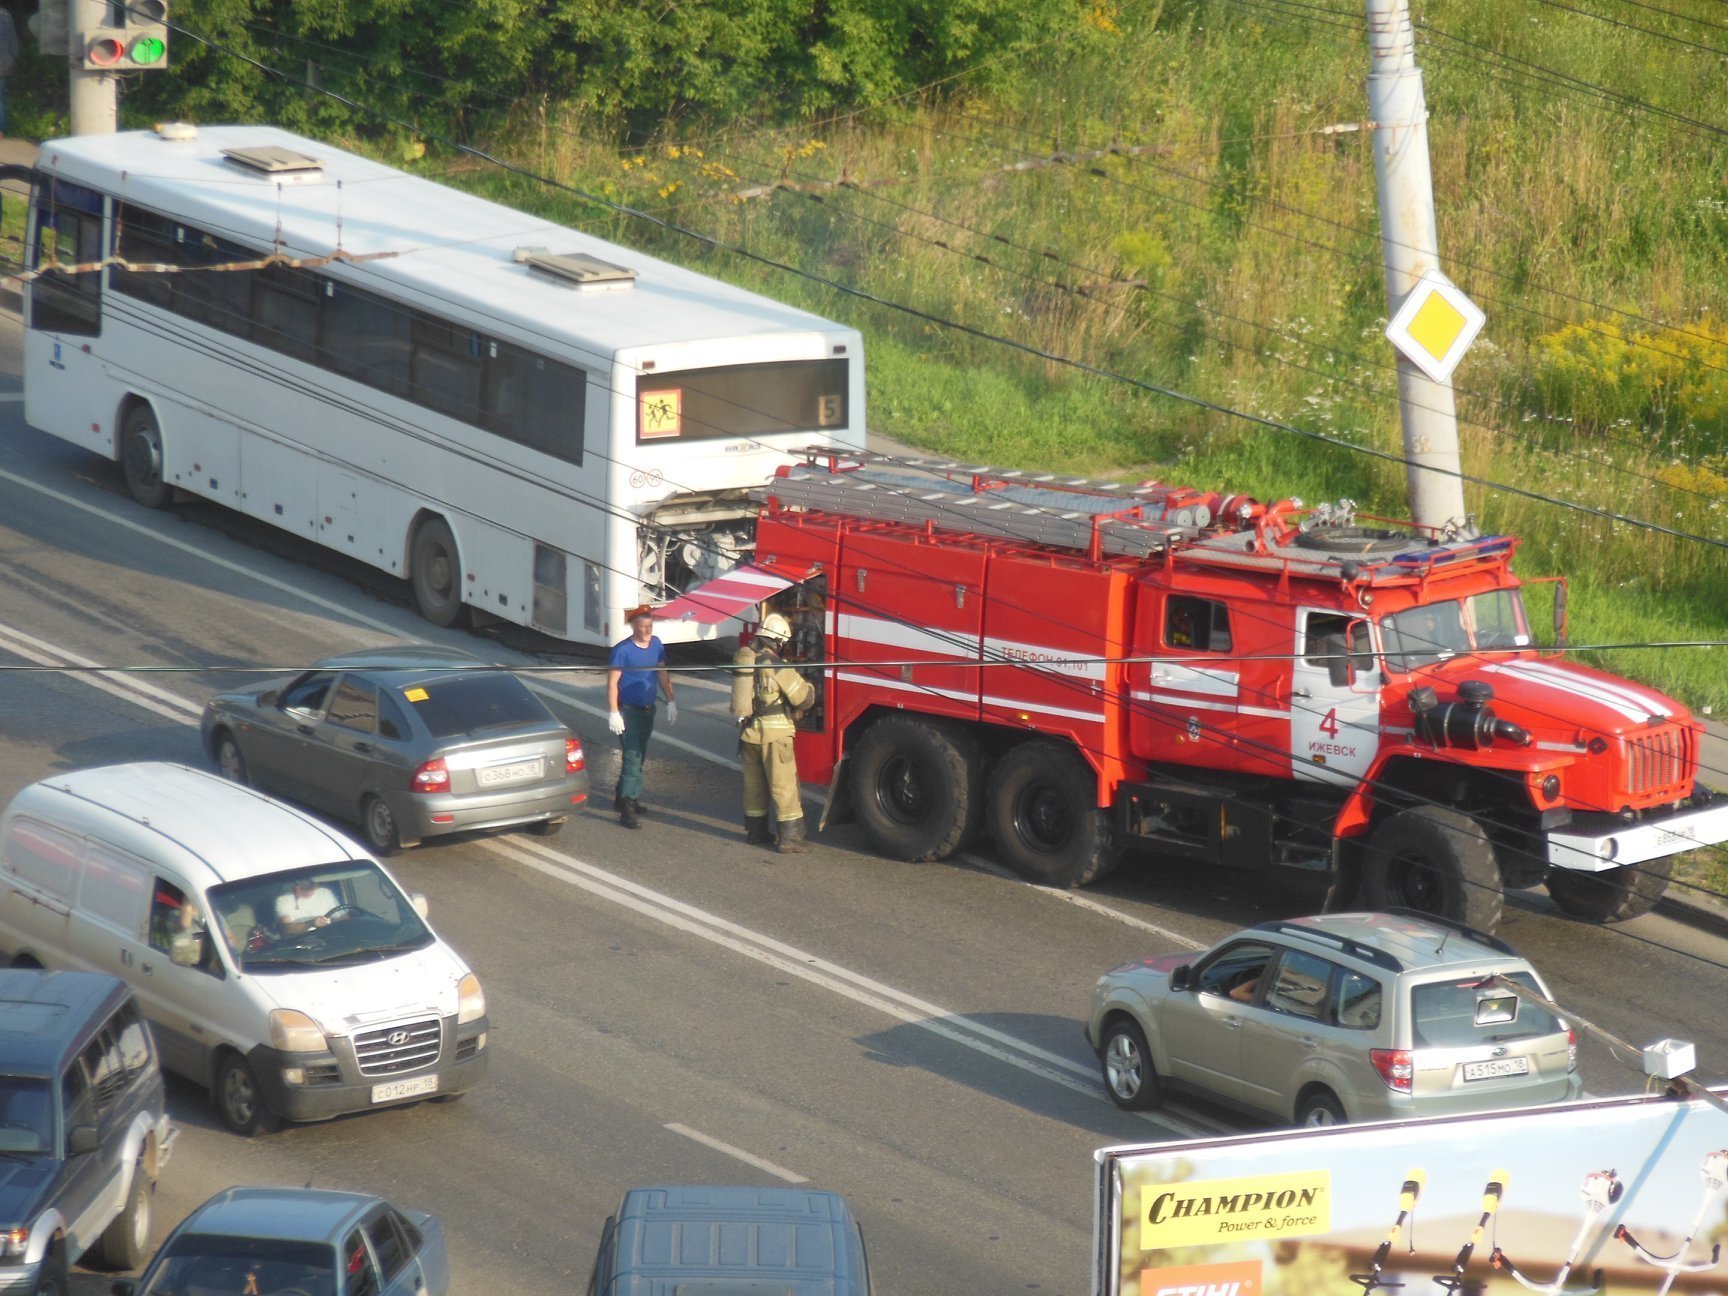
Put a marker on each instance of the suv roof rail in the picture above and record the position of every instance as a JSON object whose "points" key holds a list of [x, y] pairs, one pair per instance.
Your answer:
{"points": [[1354, 948], [1452, 924]]}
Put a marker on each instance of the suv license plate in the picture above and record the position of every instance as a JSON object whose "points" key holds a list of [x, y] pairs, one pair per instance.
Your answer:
{"points": [[394, 1089], [1495, 1069], [517, 772]]}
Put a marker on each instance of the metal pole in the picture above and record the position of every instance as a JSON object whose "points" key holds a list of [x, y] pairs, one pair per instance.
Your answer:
{"points": [[92, 96], [1410, 246]]}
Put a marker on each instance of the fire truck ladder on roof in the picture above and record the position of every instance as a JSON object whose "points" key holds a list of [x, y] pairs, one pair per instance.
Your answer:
{"points": [[1046, 509]]}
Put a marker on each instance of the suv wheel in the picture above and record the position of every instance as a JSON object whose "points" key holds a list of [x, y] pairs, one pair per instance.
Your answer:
{"points": [[1320, 1109], [125, 1242], [51, 1278], [1127, 1065]]}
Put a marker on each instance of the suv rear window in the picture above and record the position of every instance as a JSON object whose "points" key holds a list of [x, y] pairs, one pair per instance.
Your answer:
{"points": [[1444, 1014], [466, 703]]}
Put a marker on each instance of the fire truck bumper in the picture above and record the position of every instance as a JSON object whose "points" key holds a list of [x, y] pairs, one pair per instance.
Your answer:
{"points": [[1637, 843]]}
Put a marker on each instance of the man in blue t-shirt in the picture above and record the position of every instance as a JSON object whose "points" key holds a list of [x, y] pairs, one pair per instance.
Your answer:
{"points": [[635, 675]]}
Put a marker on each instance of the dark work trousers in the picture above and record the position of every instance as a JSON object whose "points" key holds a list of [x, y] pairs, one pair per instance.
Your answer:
{"points": [[633, 743]]}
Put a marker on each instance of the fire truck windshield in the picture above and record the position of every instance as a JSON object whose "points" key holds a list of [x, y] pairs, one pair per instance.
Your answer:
{"points": [[1435, 632]]}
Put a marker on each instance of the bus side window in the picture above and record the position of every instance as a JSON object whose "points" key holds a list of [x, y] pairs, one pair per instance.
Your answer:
{"points": [[68, 232]]}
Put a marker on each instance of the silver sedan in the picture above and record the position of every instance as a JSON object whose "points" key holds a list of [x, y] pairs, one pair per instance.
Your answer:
{"points": [[408, 743]]}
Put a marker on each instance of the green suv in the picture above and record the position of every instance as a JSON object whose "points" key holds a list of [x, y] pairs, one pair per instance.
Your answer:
{"points": [[1339, 1017]]}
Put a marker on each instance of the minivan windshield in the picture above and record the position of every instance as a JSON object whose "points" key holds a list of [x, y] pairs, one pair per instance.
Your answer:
{"points": [[327, 915], [26, 1116]]}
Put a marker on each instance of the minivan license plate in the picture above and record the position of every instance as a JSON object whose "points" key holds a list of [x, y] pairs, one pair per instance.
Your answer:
{"points": [[516, 772], [1493, 1070], [395, 1089]]}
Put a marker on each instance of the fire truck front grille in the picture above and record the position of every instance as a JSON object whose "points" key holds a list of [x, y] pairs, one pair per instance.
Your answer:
{"points": [[391, 1050], [1659, 761]]}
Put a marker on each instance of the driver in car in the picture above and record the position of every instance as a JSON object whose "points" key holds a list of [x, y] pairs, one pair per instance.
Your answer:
{"points": [[308, 905]]}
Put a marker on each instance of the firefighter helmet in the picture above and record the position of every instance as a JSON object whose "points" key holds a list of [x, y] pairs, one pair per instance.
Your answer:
{"points": [[774, 627]]}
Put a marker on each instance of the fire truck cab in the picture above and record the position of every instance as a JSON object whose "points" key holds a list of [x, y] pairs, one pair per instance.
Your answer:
{"points": [[1072, 668]]}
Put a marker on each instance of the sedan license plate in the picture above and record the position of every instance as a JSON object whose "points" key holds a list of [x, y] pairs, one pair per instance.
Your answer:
{"points": [[515, 772], [394, 1089], [1493, 1070]]}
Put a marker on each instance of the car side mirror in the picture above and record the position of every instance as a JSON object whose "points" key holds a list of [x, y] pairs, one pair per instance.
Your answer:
{"points": [[81, 1139], [123, 1287], [1339, 671], [1182, 978], [186, 949], [269, 698], [418, 900]]}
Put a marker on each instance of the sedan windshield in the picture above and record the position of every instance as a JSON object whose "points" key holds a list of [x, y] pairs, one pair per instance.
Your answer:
{"points": [[461, 704], [207, 1262], [26, 1116], [344, 913]]}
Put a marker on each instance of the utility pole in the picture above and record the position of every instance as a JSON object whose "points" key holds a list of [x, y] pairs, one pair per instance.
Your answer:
{"points": [[1410, 245], [93, 95]]}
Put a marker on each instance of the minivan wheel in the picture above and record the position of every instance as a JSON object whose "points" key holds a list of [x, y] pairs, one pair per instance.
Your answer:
{"points": [[126, 1241], [239, 1100], [1127, 1065], [1320, 1109], [378, 822], [230, 762]]}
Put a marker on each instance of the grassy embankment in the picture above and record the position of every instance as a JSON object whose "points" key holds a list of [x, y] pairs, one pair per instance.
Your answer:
{"points": [[1236, 258]]}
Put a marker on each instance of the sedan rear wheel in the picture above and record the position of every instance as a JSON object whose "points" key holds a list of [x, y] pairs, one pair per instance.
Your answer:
{"points": [[1127, 1065], [378, 822]]}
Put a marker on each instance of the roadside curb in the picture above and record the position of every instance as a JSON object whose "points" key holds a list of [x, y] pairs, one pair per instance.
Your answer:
{"points": [[1699, 913]]}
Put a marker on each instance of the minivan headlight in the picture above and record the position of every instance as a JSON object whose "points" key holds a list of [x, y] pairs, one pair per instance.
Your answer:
{"points": [[14, 1243], [470, 1000], [295, 1032]]}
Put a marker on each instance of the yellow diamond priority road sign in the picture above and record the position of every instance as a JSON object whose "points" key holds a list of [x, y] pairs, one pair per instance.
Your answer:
{"points": [[1435, 326]]}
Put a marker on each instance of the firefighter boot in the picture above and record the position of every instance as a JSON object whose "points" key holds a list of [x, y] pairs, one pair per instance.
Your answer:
{"points": [[756, 830], [792, 837]]}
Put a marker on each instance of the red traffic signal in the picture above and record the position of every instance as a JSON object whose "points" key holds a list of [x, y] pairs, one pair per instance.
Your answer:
{"points": [[104, 52]]}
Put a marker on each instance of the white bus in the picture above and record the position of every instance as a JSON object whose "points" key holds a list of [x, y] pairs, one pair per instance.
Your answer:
{"points": [[514, 417]]}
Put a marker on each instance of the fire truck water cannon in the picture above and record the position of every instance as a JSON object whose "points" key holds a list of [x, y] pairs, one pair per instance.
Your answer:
{"points": [[1468, 723], [1600, 1190], [1715, 1173]]}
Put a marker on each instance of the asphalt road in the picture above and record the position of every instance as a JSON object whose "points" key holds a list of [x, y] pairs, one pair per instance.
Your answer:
{"points": [[671, 1005]]}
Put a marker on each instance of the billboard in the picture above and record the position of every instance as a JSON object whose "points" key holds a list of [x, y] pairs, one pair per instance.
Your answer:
{"points": [[1624, 1197]]}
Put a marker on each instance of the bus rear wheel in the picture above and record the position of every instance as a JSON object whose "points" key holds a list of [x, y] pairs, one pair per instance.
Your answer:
{"points": [[436, 573], [142, 459]]}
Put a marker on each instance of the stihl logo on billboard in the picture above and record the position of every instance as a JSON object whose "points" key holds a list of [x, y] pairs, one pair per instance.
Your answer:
{"points": [[1242, 1279]]}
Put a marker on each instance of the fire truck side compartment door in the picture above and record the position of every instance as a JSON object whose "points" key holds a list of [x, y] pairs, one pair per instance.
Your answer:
{"points": [[1334, 728]]}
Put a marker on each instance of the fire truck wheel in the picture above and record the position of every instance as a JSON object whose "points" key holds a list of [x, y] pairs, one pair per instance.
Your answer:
{"points": [[1613, 895], [1126, 1061], [917, 788], [1356, 540], [1045, 819], [1435, 860]]}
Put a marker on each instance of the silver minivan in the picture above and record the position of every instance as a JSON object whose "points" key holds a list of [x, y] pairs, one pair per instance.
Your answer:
{"points": [[279, 964]]}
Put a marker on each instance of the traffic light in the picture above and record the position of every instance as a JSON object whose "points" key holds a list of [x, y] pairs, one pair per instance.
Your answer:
{"points": [[48, 25], [134, 37]]}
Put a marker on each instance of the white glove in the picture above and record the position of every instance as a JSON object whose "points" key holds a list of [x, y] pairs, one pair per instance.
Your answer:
{"points": [[671, 713], [615, 722]]}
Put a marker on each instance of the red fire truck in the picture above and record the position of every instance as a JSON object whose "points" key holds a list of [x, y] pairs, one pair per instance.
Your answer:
{"points": [[1071, 668]]}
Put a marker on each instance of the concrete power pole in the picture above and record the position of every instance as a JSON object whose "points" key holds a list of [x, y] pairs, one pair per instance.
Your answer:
{"points": [[93, 95], [1410, 245]]}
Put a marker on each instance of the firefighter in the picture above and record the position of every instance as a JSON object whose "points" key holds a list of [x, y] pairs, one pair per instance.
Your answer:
{"points": [[767, 697]]}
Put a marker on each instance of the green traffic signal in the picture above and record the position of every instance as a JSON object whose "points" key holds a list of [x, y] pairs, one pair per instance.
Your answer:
{"points": [[147, 50]]}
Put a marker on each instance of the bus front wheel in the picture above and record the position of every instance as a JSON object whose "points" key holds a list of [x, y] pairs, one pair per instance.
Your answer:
{"points": [[141, 456], [435, 574]]}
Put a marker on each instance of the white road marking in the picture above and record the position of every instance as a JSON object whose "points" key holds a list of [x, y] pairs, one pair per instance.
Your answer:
{"points": [[740, 1154], [953, 1027]]}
